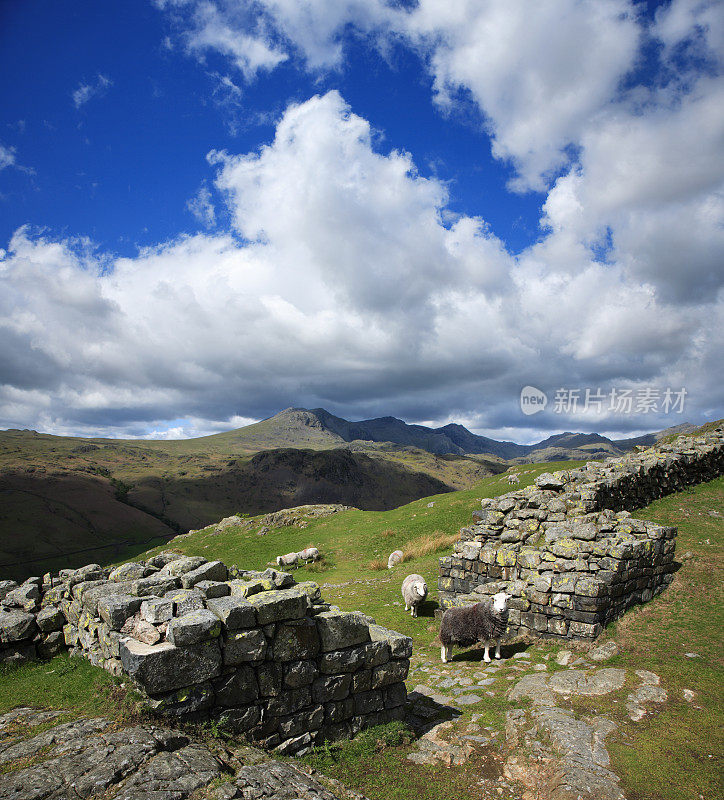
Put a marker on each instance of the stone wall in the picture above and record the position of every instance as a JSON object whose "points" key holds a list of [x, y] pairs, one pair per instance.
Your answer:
{"points": [[255, 651], [568, 549]]}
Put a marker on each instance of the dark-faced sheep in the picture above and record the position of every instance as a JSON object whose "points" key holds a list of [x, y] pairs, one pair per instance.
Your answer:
{"points": [[414, 591], [482, 623], [396, 557]]}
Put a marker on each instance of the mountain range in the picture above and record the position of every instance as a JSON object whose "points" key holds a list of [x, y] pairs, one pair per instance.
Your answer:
{"points": [[317, 428]]}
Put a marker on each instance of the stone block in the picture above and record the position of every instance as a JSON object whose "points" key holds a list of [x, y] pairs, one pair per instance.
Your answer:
{"points": [[368, 702], [238, 688], [51, 644], [192, 628], [213, 588], [115, 609], [331, 687], [26, 597], [348, 660], [564, 583], [296, 640], [592, 587], [243, 645], [336, 712], [185, 600], [16, 626], [158, 610], [247, 588], [132, 571], [182, 702], [394, 696], [302, 722], [279, 605], [269, 676], [289, 702], [161, 668], [181, 566], [392, 672], [299, 673], [50, 619], [70, 635], [339, 629], [210, 571], [234, 611], [154, 586]]}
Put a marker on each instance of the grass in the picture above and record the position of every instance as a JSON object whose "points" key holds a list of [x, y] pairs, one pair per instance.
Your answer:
{"points": [[66, 682]]}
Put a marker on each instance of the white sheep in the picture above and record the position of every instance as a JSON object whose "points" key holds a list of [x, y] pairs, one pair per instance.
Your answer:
{"points": [[309, 554], [414, 591], [482, 622], [396, 557], [288, 560], [513, 478]]}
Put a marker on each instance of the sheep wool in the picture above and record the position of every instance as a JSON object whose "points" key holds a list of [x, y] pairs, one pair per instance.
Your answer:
{"points": [[414, 591], [482, 622]]}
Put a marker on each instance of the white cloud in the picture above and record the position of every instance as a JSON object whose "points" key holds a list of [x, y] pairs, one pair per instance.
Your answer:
{"points": [[202, 207], [539, 72], [233, 31], [344, 288], [7, 156], [86, 91]]}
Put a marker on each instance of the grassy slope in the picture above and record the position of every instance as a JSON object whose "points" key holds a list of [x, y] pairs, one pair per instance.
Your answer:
{"points": [[60, 497]]}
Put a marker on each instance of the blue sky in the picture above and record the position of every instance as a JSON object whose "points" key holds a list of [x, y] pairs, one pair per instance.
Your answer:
{"points": [[213, 209]]}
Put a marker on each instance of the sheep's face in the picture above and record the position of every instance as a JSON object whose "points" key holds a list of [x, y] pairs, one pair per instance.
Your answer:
{"points": [[420, 589], [279, 561], [500, 601]]}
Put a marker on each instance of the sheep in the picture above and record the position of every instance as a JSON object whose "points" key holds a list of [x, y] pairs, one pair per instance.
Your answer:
{"points": [[309, 554], [513, 478], [395, 558], [288, 560], [414, 591], [482, 622]]}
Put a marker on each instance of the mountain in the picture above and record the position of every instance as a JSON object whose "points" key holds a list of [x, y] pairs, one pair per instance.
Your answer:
{"points": [[317, 428]]}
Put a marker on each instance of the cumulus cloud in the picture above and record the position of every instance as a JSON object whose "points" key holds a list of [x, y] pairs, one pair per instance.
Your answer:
{"points": [[341, 285], [86, 91]]}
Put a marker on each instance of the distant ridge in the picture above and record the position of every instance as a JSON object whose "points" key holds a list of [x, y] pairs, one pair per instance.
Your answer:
{"points": [[318, 428]]}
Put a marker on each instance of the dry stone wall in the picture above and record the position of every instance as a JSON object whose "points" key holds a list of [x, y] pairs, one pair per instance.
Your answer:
{"points": [[256, 652], [568, 549]]}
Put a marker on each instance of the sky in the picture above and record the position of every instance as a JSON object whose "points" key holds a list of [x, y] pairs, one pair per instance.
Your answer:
{"points": [[504, 214]]}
